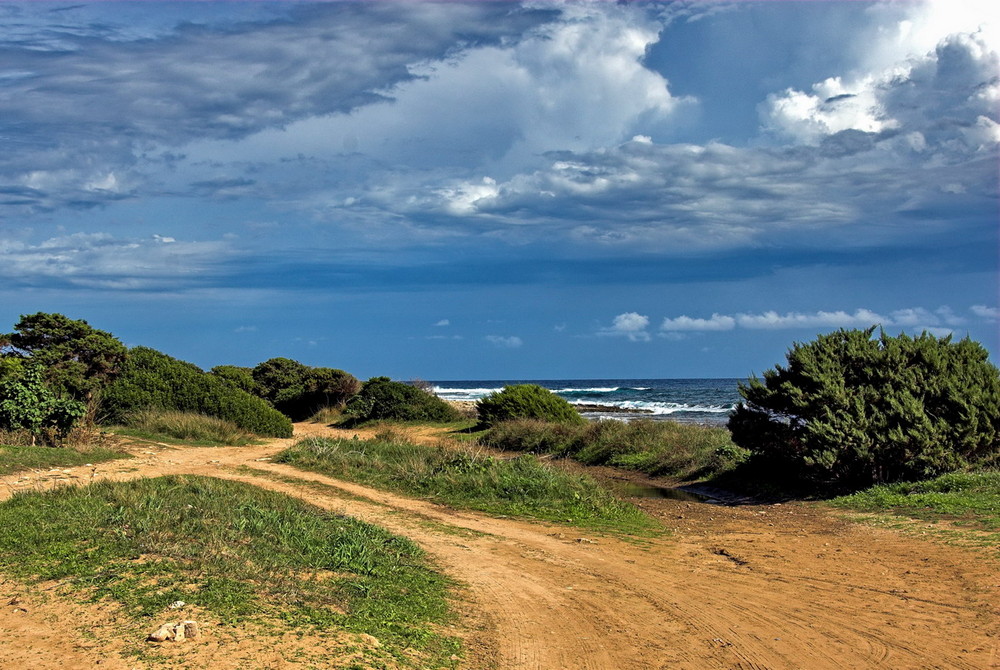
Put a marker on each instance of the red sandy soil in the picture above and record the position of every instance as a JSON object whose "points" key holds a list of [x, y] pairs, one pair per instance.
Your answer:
{"points": [[750, 587]]}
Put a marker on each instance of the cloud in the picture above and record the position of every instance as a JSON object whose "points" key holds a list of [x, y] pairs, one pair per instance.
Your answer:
{"points": [[938, 95], [99, 260], [629, 324], [984, 312], [904, 146], [88, 111], [861, 318], [715, 322], [942, 319], [442, 323], [505, 342]]}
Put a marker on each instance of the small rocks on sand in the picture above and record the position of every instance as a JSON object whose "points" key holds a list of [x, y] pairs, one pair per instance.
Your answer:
{"points": [[177, 631]]}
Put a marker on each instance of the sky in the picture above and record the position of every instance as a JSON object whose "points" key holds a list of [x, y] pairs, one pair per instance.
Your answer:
{"points": [[501, 190]]}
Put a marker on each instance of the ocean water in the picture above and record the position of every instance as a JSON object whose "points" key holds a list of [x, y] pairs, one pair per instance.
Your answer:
{"points": [[687, 400]]}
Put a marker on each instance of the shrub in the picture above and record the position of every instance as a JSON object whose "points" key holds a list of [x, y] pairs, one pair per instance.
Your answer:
{"points": [[240, 377], [526, 401], [852, 410], [301, 391], [151, 379], [382, 399], [27, 404]]}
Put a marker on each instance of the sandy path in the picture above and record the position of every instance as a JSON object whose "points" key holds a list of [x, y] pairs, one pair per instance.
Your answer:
{"points": [[755, 587]]}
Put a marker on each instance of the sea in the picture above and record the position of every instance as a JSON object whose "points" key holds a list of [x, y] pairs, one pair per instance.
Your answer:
{"points": [[705, 401]]}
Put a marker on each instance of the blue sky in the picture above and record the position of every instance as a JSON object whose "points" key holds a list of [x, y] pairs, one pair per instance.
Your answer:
{"points": [[500, 190]]}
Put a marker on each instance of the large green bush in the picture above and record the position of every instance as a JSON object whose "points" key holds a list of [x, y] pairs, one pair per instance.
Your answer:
{"points": [[150, 379], [382, 399], [526, 401], [851, 409], [300, 391]]}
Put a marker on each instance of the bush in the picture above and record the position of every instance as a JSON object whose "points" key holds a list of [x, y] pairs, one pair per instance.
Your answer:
{"points": [[526, 401], [299, 390], [853, 410], [382, 399], [151, 379], [241, 378], [27, 404]]}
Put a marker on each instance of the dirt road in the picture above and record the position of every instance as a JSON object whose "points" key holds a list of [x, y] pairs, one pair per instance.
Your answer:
{"points": [[751, 587]]}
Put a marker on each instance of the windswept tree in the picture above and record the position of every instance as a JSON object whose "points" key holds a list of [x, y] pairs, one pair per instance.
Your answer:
{"points": [[75, 359], [850, 409]]}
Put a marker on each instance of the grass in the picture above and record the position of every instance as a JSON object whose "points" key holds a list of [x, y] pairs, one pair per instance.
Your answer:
{"points": [[16, 459], [469, 479], [960, 508], [184, 427], [685, 451], [967, 498], [235, 551]]}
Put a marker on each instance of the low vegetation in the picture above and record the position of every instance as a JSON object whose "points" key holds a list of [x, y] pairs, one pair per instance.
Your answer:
{"points": [[381, 399], [153, 380], [851, 410], [526, 401], [21, 458], [234, 551], [466, 478], [968, 498], [188, 427], [686, 451]]}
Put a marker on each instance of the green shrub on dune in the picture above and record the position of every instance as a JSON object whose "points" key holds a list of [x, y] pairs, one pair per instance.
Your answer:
{"points": [[851, 409], [151, 379], [300, 391], [526, 401], [382, 399]]}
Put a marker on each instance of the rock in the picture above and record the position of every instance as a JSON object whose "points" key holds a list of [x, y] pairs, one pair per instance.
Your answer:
{"points": [[177, 604], [162, 634], [176, 631]]}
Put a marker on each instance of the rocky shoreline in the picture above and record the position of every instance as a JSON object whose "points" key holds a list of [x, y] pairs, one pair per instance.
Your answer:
{"points": [[610, 409]]}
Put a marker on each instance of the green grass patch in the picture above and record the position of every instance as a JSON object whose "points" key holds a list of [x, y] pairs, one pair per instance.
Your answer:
{"points": [[184, 428], [965, 498], [234, 550], [470, 479], [686, 451], [422, 520], [16, 459]]}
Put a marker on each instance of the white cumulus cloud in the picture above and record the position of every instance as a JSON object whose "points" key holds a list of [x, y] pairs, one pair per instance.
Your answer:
{"points": [[629, 324]]}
